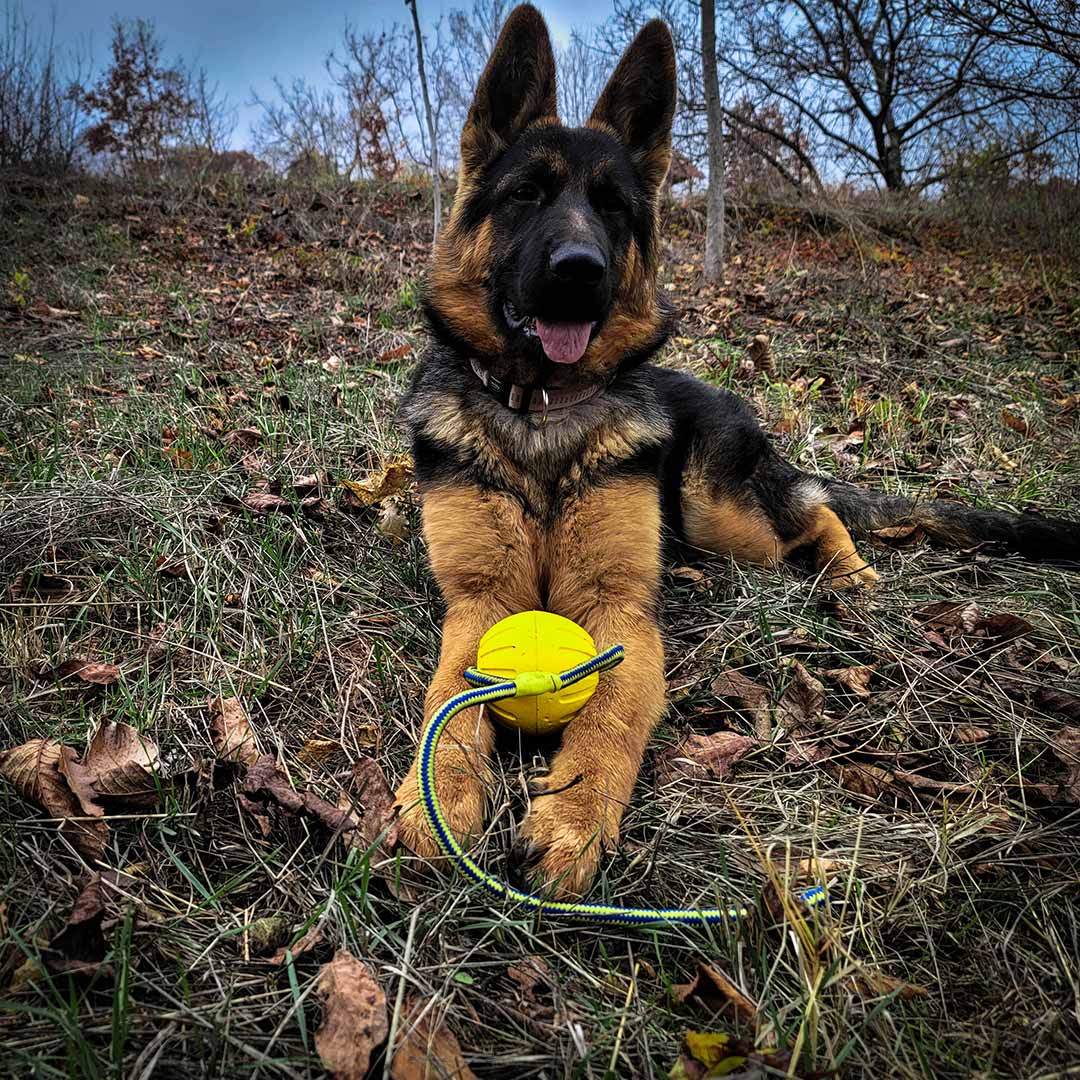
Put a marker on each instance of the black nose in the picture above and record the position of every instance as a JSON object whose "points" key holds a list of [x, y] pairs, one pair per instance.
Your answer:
{"points": [[578, 264]]}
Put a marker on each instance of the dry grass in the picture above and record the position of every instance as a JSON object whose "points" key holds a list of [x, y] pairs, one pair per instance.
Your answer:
{"points": [[199, 315]]}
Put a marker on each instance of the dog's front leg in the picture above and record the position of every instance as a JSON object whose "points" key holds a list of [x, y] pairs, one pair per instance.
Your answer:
{"points": [[607, 551], [483, 553]]}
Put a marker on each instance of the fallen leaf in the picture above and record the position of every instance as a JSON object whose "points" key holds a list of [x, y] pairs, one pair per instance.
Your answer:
{"points": [[180, 457], [122, 764], [734, 686], [699, 756], [528, 974], [88, 671], [392, 480], [370, 794], [856, 679], [715, 990], [242, 438], [803, 702], [230, 731], [354, 1019], [869, 780], [392, 356], [721, 1054], [970, 734], [264, 782], [265, 502], [1066, 747], [39, 770], [315, 751], [307, 942], [426, 1048], [1015, 422], [951, 615], [311, 482], [760, 353], [688, 573], [80, 947], [897, 536], [878, 984]]}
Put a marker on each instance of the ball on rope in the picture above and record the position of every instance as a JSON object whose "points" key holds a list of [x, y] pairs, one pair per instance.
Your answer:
{"points": [[537, 641]]}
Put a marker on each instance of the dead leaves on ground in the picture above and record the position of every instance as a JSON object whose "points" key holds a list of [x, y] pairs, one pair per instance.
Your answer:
{"points": [[119, 770], [230, 730], [715, 991], [699, 756], [354, 1020], [426, 1049]]}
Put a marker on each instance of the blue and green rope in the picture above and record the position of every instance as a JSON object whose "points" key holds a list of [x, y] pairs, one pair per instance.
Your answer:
{"points": [[486, 689]]}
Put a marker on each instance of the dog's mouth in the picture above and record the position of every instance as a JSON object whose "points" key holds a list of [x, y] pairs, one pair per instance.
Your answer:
{"points": [[562, 342]]}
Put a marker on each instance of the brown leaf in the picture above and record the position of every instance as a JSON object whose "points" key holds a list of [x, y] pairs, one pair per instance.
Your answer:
{"points": [[705, 755], [121, 763], [803, 702], [242, 438], [392, 356], [231, 731], [878, 984], [80, 947], [266, 783], [970, 734], [265, 502], [1017, 423], [688, 573], [715, 990], [761, 354], [88, 671], [370, 794], [354, 1017], [529, 973], [40, 771], [427, 1049], [1066, 747], [734, 686], [951, 615], [392, 480], [306, 943], [312, 482], [41, 310], [866, 780], [897, 536], [856, 679]]}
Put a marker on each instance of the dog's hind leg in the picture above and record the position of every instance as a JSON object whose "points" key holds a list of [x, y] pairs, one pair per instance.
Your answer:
{"points": [[768, 516], [484, 558]]}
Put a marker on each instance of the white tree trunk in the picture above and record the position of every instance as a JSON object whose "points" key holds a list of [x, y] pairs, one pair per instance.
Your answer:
{"points": [[433, 142], [714, 199]]}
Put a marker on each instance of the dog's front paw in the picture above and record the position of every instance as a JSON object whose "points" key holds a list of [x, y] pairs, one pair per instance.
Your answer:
{"points": [[563, 836], [462, 796]]}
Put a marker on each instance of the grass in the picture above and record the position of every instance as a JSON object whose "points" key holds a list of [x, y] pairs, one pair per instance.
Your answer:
{"points": [[201, 314]]}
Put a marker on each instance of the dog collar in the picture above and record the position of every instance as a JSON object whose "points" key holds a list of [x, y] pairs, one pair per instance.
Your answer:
{"points": [[533, 398]]}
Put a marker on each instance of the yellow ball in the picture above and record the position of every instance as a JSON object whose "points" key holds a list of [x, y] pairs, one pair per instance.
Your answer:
{"points": [[537, 641]]}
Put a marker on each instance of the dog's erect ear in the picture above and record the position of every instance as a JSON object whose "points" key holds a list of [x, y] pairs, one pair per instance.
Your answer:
{"points": [[516, 89], [638, 103]]}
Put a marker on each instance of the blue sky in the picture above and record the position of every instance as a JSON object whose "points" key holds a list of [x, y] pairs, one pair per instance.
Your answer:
{"points": [[243, 45]]}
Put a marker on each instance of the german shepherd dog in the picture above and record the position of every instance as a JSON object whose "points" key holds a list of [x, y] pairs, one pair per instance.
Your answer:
{"points": [[551, 455]]}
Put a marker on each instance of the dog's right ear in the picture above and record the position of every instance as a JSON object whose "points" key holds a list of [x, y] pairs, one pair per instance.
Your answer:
{"points": [[516, 89]]}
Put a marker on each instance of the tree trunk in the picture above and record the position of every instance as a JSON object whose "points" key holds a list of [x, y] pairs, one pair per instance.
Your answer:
{"points": [[714, 199], [436, 190]]}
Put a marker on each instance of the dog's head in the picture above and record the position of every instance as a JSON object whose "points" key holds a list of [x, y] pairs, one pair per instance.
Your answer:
{"points": [[546, 270]]}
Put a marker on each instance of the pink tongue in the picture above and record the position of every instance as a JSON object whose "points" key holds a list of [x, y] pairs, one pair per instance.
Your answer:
{"points": [[565, 343]]}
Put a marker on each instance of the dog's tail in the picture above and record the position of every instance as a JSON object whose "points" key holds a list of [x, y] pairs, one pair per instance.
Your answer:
{"points": [[953, 524]]}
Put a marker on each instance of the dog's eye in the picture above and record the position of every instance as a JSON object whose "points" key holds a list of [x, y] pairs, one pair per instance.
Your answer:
{"points": [[527, 193]]}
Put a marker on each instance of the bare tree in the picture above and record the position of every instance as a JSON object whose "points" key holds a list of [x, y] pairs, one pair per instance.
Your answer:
{"points": [[436, 187], [583, 65], [714, 199], [213, 116], [142, 106], [877, 84], [40, 119], [302, 129]]}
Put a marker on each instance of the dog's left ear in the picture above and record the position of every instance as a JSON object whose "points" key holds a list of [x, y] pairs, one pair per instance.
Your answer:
{"points": [[638, 103]]}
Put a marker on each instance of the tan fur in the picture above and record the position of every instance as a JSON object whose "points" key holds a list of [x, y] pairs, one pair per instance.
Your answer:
{"points": [[835, 554], [599, 563], [484, 555]]}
